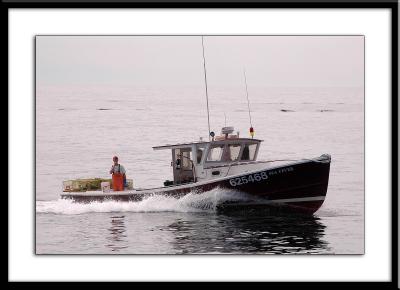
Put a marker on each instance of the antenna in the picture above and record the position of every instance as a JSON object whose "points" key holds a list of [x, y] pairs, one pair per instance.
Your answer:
{"points": [[248, 105], [225, 118], [205, 81]]}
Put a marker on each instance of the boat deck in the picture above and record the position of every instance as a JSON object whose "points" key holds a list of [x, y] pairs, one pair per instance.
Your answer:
{"points": [[147, 191]]}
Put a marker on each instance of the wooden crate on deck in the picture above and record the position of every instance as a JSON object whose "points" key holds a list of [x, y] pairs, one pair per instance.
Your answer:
{"points": [[89, 184]]}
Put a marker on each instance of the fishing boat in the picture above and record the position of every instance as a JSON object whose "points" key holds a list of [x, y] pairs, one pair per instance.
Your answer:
{"points": [[229, 162]]}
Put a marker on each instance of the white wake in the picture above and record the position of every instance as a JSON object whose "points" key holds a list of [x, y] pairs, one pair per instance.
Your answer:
{"points": [[192, 202]]}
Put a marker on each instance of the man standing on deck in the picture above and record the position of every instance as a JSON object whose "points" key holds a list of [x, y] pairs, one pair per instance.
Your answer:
{"points": [[118, 168]]}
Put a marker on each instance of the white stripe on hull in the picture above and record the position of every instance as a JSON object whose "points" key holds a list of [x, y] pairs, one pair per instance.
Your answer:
{"points": [[287, 200]]}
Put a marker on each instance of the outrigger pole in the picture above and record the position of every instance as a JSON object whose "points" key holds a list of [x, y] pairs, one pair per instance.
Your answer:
{"points": [[205, 80]]}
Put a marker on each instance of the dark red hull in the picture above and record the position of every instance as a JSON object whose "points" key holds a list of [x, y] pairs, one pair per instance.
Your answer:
{"points": [[300, 186]]}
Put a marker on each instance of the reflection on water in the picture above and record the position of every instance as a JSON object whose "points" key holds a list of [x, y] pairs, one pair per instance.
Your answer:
{"points": [[117, 240], [253, 232], [233, 232]]}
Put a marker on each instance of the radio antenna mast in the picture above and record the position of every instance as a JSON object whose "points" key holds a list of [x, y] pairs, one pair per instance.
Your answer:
{"points": [[205, 81], [248, 104]]}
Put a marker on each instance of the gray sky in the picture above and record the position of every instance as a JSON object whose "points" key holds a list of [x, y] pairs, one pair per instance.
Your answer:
{"points": [[287, 61]]}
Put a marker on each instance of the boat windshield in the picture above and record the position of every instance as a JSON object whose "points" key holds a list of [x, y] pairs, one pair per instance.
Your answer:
{"points": [[249, 151], [215, 153], [231, 152]]}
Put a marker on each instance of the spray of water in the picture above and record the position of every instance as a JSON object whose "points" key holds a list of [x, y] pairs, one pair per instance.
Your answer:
{"points": [[192, 202]]}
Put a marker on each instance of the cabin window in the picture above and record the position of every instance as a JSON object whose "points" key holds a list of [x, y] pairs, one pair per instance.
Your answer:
{"points": [[215, 153], [183, 158], [249, 151], [231, 152], [224, 153], [186, 159]]}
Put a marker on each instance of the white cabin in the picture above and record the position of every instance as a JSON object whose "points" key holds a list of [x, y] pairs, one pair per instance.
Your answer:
{"points": [[224, 156]]}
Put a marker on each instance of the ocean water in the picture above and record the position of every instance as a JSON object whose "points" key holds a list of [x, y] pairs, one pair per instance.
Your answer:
{"points": [[79, 129]]}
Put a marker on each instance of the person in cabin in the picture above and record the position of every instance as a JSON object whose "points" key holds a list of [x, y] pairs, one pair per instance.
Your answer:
{"points": [[246, 153], [118, 168]]}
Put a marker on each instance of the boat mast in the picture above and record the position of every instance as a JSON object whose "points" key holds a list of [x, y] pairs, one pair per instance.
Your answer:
{"points": [[205, 81], [248, 104]]}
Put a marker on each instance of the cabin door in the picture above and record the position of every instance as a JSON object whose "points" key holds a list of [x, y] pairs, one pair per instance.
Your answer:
{"points": [[182, 165]]}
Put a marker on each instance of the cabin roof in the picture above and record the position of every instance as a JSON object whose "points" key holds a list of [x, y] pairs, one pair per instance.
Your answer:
{"points": [[183, 145]]}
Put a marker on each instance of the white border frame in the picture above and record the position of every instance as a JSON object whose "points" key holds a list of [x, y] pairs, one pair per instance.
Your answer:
{"points": [[375, 265]]}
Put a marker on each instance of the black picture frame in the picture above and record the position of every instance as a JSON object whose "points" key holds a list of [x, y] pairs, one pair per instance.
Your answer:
{"points": [[242, 4]]}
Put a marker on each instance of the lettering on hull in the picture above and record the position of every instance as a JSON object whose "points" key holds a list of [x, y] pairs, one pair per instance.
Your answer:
{"points": [[257, 177]]}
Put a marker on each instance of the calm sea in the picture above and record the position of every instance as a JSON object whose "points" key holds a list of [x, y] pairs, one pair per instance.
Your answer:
{"points": [[80, 128]]}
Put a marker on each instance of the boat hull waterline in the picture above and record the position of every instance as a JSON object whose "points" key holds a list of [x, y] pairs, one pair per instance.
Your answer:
{"points": [[300, 186]]}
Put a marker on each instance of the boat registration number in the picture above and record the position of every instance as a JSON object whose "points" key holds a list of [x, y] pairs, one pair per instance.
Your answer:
{"points": [[256, 177]]}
